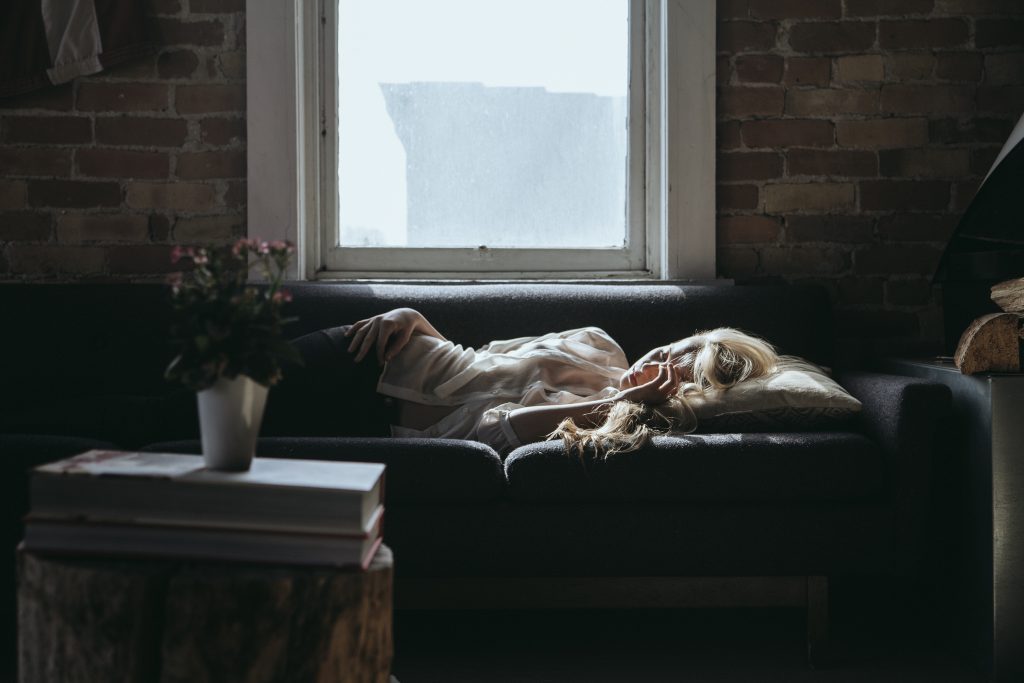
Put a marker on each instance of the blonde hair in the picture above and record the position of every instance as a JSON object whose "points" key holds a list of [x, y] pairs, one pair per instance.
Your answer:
{"points": [[726, 356]]}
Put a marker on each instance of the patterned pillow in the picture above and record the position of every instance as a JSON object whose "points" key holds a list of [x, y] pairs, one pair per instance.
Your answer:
{"points": [[798, 396]]}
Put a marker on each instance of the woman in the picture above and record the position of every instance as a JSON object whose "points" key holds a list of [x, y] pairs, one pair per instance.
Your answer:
{"points": [[576, 385]]}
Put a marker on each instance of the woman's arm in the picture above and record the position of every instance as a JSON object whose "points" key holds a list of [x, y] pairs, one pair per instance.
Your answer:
{"points": [[536, 422], [390, 331]]}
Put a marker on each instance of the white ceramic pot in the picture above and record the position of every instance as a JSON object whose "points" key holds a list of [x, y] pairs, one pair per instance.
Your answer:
{"points": [[230, 413]]}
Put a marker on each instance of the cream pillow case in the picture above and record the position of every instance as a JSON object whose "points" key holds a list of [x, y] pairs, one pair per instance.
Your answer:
{"points": [[798, 396]]}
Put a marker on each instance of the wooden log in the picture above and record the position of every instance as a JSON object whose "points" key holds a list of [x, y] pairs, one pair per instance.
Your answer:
{"points": [[1009, 295], [149, 620], [990, 344]]}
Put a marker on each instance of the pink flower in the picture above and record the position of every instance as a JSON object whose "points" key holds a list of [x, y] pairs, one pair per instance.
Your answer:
{"points": [[282, 296], [264, 248], [177, 254], [199, 257]]}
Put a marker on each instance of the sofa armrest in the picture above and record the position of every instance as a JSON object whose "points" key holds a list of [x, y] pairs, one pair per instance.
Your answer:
{"points": [[903, 415]]}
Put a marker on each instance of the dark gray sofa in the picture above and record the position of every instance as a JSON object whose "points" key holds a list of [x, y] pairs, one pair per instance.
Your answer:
{"points": [[83, 367]]}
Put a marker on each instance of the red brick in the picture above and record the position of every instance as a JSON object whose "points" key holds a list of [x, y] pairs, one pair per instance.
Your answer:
{"points": [[881, 133], [139, 68], [216, 6], [796, 9], [1002, 99], [142, 258], [202, 99], [232, 64], [201, 33], [959, 66], [910, 66], [736, 263], [963, 193], [831, 102], [842, 163], [117, 227], [142, 132], [745, 36], [222, 131], [741, 102], [759, 68], [860, 290], [788, 133], [749, 166], [807, 71], [1003, 68], [54, 130], [24, 226], [120, 163], [13, 194], [830, 229], [887, 259], [208, 228], [899, 195], [917, 227], [814, 197], [159, 227], [924, 163], [982, 159], [219, 164], [723, 70], [73, 193], [728, 135], [122, 97], [877, 8], [732, 9], [736, 197], [832, 37], [928, 99], [177, 64], [908, 292], [856, 68], [977, 7], [49, 259], [804, 260], [876, 323], [159, 7], [235, 196], [34, 161], [747, 229], [998, 32], [928, 33], [956, 131], [182, 196], [61, 98]]}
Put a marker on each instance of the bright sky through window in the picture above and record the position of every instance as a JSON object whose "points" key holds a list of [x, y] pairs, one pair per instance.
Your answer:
{"points": [[468, 122]]}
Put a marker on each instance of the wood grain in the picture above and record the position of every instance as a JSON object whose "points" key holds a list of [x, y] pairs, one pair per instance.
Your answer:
{"points": [[148, 620]]}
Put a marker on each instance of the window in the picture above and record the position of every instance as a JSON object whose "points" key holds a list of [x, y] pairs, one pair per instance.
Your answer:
{"points": [[456, 138]]}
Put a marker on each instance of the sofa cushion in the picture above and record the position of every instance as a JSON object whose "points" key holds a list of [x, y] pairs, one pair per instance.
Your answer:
{"points": [[782, 467], [798, 396], [418, 470]]}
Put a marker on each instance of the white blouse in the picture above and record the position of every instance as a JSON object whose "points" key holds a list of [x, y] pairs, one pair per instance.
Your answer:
{"points": [[486, 384]]}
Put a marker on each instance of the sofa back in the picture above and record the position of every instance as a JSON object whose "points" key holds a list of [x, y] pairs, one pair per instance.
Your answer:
{"points": [[88, 359]]}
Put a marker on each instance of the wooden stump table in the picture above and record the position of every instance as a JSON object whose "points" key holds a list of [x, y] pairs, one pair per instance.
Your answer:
{"points": [[89, 620]]}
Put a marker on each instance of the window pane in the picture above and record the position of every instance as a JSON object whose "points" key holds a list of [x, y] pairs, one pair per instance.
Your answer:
{"points": [[482, 122]]}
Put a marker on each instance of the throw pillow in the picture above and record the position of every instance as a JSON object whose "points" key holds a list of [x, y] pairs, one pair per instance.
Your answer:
{"points": [[798, 396]]}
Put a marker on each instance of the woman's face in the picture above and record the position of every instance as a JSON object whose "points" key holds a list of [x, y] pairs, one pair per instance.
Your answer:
{"points": [[680, 354]]}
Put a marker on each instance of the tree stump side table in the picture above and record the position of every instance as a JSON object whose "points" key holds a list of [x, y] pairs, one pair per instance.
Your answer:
{"points": [[88, 620]]}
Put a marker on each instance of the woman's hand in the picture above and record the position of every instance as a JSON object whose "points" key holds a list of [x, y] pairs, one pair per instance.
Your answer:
{"points": [[390, 332], [654, 384]]}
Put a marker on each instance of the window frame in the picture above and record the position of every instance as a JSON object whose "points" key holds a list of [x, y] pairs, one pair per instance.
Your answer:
{"points": [[291, 104]]}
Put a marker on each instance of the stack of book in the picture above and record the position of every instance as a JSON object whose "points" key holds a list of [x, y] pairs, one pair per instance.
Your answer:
{"points": [[115, 503]]}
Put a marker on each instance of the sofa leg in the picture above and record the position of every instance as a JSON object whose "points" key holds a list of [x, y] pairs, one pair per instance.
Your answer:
{"points": [[817, 620]]}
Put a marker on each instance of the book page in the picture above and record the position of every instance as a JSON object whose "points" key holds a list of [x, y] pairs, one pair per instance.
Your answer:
{"points": [[316, 474], [122, 463]]}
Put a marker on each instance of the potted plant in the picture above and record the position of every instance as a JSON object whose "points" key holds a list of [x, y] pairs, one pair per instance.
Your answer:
{"points": [[228, 334]]}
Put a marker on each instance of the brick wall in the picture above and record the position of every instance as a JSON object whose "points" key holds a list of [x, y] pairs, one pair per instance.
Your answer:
{"points": [[852, 134]]}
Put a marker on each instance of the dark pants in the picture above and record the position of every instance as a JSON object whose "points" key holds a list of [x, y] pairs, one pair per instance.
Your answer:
{"points": [[329, 395]]}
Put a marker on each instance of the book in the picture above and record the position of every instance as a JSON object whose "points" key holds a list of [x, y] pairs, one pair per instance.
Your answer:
{"points": [[314, 496], [120, 539]]}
